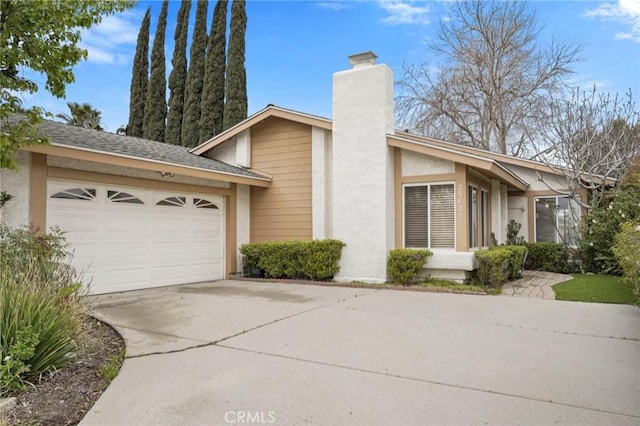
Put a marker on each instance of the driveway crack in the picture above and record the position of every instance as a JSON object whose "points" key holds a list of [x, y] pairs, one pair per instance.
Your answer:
{"points": [[217, 342]]}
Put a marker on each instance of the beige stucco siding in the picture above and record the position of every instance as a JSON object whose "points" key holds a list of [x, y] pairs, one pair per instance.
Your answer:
{"points": [[414, 164], [540, 180], [283, 211]]}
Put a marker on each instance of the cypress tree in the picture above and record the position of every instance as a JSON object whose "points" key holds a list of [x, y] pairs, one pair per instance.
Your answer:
{"points": [[212, 104], [195, 76], [178, 76], [156, 108], [235, 108], [139, 79]]}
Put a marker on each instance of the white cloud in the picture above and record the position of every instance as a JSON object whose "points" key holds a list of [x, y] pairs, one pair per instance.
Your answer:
{"points": [[404, 12], [585, 83], [626, 12], [101, 56], [113, 40], [331, 5]]}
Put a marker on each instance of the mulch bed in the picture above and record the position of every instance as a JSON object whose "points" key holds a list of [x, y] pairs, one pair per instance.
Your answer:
{"points": [[63, 398]]}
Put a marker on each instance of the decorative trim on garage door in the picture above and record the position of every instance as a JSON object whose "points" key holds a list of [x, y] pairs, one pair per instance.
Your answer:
{"points": [[76, 194]]}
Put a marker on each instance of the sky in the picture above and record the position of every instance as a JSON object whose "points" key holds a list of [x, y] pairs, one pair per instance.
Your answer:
{"points": [[294, 47]]}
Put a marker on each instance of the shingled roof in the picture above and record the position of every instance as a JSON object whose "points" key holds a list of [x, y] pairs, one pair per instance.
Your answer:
{"points": [[111, 143]]}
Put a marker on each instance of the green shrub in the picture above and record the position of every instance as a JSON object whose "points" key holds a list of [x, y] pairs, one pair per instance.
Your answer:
{"points": [[12, 366], [513, 229], [403, 265], [627, 250], [517, 256], [41, 309], [250, 259], [550, 257], [493, 265], [313, 260], [497, 265], [321, 260], [620, 205]]}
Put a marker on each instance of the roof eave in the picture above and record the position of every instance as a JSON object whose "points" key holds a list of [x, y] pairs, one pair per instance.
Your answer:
{"points": [[481, 163], [516, 161], [102, 157]]}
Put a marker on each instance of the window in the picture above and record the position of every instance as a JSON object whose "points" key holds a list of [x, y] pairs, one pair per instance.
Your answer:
{"points": [[76, 194], [473, 217], [172, 202], [201, 203], [429, 216], [557, 220], [123, 197], [478, 217], [484, 217]]}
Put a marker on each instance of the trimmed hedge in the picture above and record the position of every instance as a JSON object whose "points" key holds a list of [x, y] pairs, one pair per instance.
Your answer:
{"points": [[311, 260], [497, 265], [403, 265], [550, 257]]}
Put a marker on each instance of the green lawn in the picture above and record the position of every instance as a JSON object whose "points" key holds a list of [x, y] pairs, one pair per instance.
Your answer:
{"points": [[595, 288]]}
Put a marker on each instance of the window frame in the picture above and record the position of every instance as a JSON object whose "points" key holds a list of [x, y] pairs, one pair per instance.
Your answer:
{"points": [[556, 197], [482, 217], [429, 239], [472, 216]]}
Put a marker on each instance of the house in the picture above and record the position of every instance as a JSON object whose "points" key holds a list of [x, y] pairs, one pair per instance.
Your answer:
{"points": [[141, 214]]}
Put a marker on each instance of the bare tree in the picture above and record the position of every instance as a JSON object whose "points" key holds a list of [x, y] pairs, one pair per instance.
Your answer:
{"points": [[593, 136], [491, 80]]}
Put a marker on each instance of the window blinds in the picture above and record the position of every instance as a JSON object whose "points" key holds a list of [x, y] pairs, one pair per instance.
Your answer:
{"points": [[442, 216]]}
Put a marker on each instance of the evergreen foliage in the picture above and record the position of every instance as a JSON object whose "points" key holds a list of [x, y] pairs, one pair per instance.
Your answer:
{"points": [[155, 111], [404, 265], [619, 205], [139, 80], [236, 82], [212, 103], [311, 260], [178, 76], [195, 77], [39, 41]]}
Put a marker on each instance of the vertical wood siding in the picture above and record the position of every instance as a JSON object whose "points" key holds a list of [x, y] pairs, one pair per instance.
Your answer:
{"points": [[282, 212]]}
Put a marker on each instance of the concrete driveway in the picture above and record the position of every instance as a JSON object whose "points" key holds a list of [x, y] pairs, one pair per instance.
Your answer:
{"points": [[262, 353]]}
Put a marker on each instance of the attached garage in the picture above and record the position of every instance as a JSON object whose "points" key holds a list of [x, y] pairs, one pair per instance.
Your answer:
{"points": [[128, 238], [136, 213]]}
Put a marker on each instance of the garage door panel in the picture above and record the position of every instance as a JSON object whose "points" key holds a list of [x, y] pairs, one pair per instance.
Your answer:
{"points": [[169, 274], [117, 250], [167, 248], [118, 280], [124, 246], [198, 247], [75, 222], [129, 222]]}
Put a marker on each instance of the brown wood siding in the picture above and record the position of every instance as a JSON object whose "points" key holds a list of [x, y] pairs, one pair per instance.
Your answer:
{"points": [[282, 212]]}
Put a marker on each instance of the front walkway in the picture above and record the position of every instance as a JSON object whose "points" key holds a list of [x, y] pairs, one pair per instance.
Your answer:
{"points": [[534, 284]]}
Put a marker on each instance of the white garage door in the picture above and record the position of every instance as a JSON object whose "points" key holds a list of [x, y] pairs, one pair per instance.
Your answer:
{"points": [[129, 238]]}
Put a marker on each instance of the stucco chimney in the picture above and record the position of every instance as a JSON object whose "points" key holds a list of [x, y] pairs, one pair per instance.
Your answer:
{"points": [[362, 167]]}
